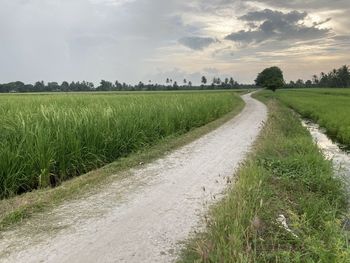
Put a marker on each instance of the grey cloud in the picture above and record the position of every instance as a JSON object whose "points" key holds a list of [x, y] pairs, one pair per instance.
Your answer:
{"points": [[292, 4], [276, 25], [86, 39], [306, 4], [268, 14], [342, 38], [197, 43]]}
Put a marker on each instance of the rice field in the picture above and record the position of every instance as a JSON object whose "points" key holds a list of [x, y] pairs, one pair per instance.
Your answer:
{"points": [[46, 139], [328, 107]]}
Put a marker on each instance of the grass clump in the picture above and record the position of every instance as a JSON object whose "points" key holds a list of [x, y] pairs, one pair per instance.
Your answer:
{"points": [[47, 139], [286, 176]]}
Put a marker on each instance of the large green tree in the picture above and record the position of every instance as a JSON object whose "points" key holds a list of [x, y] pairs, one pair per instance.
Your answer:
{"points": [[270, 78]]}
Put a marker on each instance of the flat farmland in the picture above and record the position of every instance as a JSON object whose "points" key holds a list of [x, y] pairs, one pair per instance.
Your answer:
{"points": [[46, 139], [330, 108]]}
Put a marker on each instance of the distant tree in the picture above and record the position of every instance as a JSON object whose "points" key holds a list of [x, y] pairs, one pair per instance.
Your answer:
{"points": [[167, 81], [17, 86], [232, 82], [337, 78], [140, 86], [185, 81], [190, 83], [65, 86], [39, 86], [308, 83], [118, 85], [270, 78], [90, 86], [299, 83], [204, 80], [105, 86], [124, 86], [53, 86], [323, 79], [343, 74], [175, 85]]}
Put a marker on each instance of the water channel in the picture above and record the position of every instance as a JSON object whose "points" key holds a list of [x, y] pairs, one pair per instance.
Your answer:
{"points": [[333, 151]]}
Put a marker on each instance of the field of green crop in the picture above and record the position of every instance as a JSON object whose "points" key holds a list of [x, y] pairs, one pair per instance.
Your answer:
{"points": [[46, 139], [328, 107]]}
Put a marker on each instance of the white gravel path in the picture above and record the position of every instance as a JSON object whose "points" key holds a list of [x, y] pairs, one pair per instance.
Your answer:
{"points": [[143, 217]]}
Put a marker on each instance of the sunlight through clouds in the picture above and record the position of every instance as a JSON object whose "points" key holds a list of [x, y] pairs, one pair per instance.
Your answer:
{"points": [[130, 40]]}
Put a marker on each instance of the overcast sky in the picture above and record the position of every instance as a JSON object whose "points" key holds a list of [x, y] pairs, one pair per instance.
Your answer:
{"points": [[133, 40]]}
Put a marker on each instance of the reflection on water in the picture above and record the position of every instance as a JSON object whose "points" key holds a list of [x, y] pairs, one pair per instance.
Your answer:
{"points": [[332, 151]]}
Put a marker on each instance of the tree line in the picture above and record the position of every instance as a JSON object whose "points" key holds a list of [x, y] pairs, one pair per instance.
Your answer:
{"points": [[337, 78], [41, 86], [272, 78]]}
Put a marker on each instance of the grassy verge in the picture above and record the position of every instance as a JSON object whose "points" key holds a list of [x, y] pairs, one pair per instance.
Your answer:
{"points": [[286, 175], [15, 210]]}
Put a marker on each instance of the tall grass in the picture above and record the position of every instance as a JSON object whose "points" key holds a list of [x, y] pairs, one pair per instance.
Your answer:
{"points": [[45, 139], [286, 175], [328, 107]]}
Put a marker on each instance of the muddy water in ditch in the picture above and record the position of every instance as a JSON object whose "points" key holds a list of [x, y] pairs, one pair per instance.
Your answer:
{"points": [[332, 151]]}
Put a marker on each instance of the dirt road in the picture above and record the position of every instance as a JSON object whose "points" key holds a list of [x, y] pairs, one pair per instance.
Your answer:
{"points": [[143, 217]]}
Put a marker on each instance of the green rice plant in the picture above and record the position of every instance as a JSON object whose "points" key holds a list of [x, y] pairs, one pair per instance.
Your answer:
{"points": [[330, 108], [45, 139]]}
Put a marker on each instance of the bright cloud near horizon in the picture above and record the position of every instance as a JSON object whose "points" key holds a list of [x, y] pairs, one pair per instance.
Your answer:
{"points": [[141, 40]]}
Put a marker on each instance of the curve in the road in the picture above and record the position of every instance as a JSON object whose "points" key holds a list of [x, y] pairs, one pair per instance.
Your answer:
{"points": [[143, 217]]}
